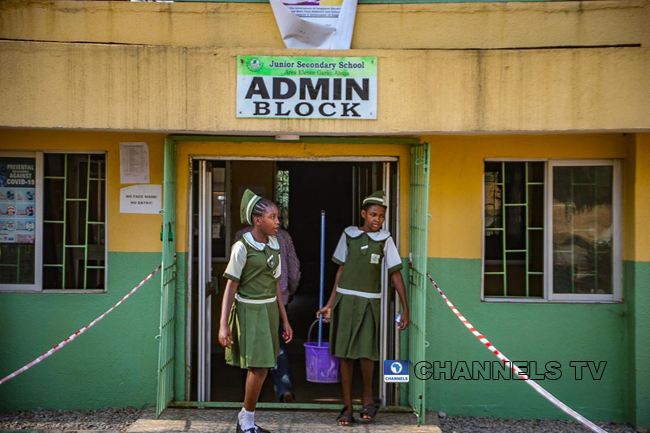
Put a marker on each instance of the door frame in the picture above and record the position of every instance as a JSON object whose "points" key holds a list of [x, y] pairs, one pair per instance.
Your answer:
{"points": [[190, 186]]}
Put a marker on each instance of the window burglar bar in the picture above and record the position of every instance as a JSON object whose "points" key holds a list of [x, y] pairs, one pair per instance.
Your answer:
{"points": [[82, 187], [497, 211]]}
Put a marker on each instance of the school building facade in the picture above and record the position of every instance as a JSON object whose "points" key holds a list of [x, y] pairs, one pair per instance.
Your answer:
{"points": [[513, 140]]}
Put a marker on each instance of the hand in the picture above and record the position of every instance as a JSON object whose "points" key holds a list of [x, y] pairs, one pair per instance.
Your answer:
{"points": [[326, 311], [225, 336], [288, 332], [404, 321]]}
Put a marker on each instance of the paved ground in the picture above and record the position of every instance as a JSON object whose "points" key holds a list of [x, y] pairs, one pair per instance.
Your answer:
{"points": [[280, 421]]}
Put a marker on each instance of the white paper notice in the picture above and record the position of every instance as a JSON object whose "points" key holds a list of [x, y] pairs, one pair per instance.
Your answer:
{"points": [[141, 199], [134, 163], [318, 29]]}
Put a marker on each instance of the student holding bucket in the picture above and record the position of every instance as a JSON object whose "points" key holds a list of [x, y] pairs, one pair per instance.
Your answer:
{"points": [[355, 303], [252, 303]]}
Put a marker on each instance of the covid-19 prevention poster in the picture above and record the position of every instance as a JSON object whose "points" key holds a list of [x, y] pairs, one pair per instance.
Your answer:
{"points": [[18, 200]]}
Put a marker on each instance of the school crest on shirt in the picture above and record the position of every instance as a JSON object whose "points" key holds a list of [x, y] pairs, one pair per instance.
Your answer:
{"points": [[374, 259]]}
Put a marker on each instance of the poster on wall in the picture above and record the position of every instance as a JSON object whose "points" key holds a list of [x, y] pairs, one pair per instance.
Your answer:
{"points": [[315, 24], [146, 199], [18, 200], [307, 87], [134, 163]]}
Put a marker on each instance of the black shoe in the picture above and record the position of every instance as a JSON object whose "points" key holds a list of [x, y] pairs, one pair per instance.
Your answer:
{"points": [[256, 429]]}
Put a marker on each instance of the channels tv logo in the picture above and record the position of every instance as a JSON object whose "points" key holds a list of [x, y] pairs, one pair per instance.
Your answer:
{"points": [[396, 371]]}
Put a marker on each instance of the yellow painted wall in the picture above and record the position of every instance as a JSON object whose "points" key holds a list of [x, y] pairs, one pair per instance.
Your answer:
{"points": [[456, 179], [126, 232], [403, 26], [287, 150], [456, 200], [638, 199], [177, 89]]}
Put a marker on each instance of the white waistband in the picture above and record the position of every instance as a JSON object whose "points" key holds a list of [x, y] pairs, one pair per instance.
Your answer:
{"points": [[357, 293], [254, 301]]}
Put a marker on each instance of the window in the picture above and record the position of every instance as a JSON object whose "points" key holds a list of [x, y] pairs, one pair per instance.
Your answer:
{"points": [[56, 238], [552, 230]]}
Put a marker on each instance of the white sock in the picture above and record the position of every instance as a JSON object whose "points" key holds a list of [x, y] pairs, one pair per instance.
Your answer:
{"points": [[246, 419]]}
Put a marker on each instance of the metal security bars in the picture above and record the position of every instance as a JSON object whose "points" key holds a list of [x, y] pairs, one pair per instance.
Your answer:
{"points": [[74, 255], [168, 282], [514, 229], [418, 234]]}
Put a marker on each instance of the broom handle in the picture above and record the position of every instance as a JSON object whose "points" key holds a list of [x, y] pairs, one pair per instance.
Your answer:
{"points": [[322, 276]]}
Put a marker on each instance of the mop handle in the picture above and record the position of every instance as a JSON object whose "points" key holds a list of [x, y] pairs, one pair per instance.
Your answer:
{"points": [[322, 276]]}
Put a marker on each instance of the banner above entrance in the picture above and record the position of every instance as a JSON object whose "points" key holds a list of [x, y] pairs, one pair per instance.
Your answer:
{"points": [[307, 87]]}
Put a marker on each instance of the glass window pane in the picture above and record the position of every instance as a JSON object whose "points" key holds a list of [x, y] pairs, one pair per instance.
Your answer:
{"points": [[582, 229], [515, 180], [54, 165], [493, 285], [515, 228], [516, 274], [77, 175], [536, 206], [536, 250], [536, 172], [53, 199]]}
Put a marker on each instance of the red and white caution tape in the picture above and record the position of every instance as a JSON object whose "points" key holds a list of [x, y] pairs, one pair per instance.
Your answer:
{"points": [[537, 387], [79, 332]]}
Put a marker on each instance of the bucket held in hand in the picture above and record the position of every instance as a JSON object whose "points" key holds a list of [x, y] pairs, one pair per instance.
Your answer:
{"points": [[320, 365]]}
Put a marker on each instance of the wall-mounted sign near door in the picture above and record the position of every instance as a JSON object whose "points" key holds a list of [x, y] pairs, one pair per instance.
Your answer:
{"points": [[307, 87]]}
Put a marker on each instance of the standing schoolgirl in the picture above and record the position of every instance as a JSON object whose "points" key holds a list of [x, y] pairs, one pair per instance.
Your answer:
{"points": [[252, 303], [355, 304]]}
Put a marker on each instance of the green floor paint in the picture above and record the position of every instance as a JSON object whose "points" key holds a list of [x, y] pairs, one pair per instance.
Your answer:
{"points": [[111, 365], [539, 332]]}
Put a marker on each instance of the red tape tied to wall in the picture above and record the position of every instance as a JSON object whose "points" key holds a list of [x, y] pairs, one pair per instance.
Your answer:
{"points": [[537, 387], [79, 332]]}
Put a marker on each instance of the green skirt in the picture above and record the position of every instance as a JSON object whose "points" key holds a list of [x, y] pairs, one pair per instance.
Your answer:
{"points": [[354, 329], [254, 329]]}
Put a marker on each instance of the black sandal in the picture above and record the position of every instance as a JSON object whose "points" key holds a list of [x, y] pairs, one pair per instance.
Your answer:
{"points": [[344, 419], [369, 411]]}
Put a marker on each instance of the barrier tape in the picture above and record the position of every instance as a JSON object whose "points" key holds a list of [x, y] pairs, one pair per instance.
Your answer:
{"points": [[79, 332], [537, 387]]}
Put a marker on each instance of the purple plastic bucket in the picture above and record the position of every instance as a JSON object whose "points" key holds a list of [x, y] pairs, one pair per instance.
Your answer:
{"points": [[321, 366]]}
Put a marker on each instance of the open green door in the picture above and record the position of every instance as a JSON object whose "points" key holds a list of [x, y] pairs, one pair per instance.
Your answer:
{"points": [[168, 282], [419, 218]]}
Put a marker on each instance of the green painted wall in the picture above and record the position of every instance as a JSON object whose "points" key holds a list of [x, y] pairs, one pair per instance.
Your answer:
{"points": [[539, 332], [637, 277], [111, 365]]}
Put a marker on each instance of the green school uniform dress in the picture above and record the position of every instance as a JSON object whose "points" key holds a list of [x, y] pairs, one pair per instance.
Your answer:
{"points": [[354, 330], [254, 316]]}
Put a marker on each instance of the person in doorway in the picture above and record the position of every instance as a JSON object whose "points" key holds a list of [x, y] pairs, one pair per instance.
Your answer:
{"points": [[289, 281], [354, 305], [252, 303]]}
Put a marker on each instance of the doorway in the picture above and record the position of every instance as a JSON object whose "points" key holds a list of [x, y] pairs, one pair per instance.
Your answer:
{"points": [[301, 188]]}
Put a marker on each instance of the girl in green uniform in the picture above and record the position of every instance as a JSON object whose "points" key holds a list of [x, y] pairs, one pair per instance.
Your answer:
{"points": [[355, 303], [252, 303]]}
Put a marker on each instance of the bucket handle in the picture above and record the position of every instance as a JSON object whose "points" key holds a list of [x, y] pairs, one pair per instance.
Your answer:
{"points": [[310, 328]]}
